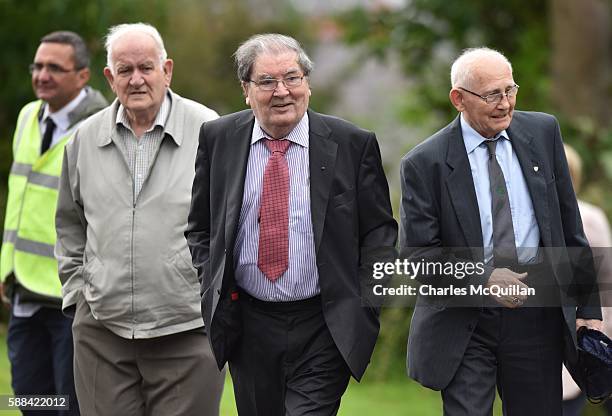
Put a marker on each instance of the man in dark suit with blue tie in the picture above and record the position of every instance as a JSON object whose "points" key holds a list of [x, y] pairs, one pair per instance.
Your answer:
{"points": [[287, 206], [495, 182]]}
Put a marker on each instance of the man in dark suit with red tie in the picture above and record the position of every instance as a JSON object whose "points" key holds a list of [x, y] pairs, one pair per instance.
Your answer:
{"points": [[287, 206]]}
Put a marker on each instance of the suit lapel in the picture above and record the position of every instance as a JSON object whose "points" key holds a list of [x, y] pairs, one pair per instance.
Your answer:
{"points": [[239, 145], [322, 152], [460, 186], [526, 152]]}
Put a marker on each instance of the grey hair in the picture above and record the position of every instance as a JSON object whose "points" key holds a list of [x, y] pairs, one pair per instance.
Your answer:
{"points": [[462, 71], [273, 43], [80, 52], [115, 32]]}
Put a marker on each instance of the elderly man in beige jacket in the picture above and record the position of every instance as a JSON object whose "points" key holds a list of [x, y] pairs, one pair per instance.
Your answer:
{"points": [[126, 272]]}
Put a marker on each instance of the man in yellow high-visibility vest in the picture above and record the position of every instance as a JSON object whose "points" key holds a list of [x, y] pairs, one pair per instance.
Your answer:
{"points": [[39, 335]]}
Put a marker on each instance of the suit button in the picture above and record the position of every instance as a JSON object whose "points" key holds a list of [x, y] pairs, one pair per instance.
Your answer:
{"points": [[470, 327]]}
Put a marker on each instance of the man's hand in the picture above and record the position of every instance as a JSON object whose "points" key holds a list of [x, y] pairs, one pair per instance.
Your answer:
{"points": [[506, 278], [590, 323]]}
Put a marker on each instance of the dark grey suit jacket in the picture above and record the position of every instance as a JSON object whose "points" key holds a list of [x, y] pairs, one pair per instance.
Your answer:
{"points": [[439, 209], [351, 213]]}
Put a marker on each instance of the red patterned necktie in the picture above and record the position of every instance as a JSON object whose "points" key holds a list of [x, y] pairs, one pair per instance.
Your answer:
{"points": [[273, 255]]}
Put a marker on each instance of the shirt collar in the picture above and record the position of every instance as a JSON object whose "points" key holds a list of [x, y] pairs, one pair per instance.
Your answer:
{"points": [[472, 139], [299, 135], [160, 119], [60, 117]]}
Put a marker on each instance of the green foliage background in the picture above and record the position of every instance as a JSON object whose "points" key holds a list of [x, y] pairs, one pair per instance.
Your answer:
{"points": [[428, 34]]}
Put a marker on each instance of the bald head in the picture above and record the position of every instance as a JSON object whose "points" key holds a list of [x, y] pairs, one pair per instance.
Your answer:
{"points": [[484, 90], [473, 64]]}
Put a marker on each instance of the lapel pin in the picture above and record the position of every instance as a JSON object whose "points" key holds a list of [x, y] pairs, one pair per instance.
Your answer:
{"points": [[536, 168]]}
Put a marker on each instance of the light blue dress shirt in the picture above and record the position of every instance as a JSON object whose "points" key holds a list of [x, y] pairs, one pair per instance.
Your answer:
{"points": [[526, 231]]}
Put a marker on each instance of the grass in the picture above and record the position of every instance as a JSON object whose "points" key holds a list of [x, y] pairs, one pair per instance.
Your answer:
{"points": [[388, 398], [395, 397]]}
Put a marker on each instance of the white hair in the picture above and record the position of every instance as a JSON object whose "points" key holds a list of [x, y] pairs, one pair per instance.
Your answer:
{"points": [[115, 32], [462, 71]]}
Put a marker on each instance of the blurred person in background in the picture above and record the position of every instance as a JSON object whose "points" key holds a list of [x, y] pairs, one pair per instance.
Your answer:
{"points": [[39, 335], [140, 343], [597, 231]]}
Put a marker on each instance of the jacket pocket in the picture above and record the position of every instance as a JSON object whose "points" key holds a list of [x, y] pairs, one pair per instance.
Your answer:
{"points": [[90, 269], [343, 198], [181, 262]]}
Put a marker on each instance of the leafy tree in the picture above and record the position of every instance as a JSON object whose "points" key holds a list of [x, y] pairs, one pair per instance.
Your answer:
{"points": [[202, 37], [429, 34]]}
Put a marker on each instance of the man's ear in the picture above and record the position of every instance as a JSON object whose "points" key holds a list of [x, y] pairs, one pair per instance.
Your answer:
{"points": [[83, 77], [245, 91], [108, 74], [168, 65], [456, 99]]}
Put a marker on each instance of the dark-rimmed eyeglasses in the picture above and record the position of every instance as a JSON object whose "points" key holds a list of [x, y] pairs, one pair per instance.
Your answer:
{"points": [[497, 96], [270, 84], [53, 69]]}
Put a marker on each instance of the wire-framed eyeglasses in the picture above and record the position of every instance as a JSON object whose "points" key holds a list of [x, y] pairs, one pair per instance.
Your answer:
{"points": [[270, 84], [497, 96]]}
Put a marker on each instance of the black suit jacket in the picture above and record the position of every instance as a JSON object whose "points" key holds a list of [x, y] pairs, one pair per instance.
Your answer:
{"points": [[350, 210], [439, 209]]}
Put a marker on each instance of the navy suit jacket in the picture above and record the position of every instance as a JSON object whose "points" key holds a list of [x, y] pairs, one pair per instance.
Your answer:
{"points": [[439, 209]]}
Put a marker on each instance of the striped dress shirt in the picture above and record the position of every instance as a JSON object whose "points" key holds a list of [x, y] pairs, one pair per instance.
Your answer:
{"points": [[301, 280]]}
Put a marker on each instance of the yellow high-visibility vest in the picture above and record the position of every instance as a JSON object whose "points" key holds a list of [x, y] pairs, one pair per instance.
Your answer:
{"points": [[29, 226]]}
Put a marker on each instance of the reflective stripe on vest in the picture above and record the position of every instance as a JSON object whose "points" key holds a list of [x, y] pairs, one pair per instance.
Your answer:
{"points": [[42, 179], [34, 247], [29, 246], [9, 236]]}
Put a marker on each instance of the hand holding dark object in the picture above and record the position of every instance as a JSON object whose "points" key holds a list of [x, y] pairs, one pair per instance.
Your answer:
{"points": [[593, 372], [595, 324]]}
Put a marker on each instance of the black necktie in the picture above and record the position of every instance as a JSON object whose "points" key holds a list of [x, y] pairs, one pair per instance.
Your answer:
{"points": [[48, 136], [504, 245]]}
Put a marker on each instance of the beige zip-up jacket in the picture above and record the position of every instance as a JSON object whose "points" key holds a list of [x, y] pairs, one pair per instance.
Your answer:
{"points": [[130, 261]]}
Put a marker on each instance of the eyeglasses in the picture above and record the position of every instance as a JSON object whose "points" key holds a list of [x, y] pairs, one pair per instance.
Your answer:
{"points": [[53, 69], [270, 84], [495, 97]]}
